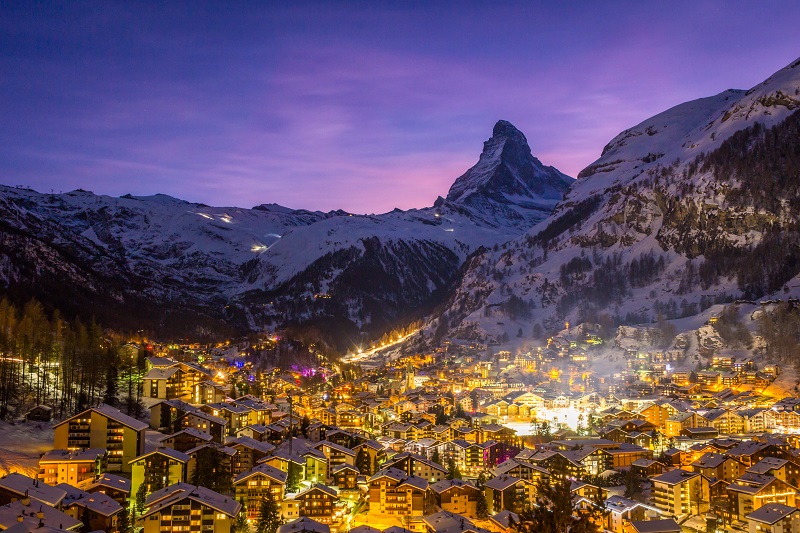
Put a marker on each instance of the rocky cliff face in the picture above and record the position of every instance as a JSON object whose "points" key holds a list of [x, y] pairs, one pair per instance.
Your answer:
{"points": [[508, 186]]}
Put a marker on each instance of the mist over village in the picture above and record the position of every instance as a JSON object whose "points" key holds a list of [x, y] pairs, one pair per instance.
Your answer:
{"points": [[541, 272]]}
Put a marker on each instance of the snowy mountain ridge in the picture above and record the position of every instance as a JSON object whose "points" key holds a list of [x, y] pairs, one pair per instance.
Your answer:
{"points": [[694, 206], [251, 267]]}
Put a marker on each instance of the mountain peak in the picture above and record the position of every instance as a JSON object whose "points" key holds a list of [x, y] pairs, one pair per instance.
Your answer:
{"points": [[508, 181], [504, 128]]}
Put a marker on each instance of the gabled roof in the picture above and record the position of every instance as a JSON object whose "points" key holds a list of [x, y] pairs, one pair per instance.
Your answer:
{"points": [[52, 517], [673, 477], [78, 456], [620, 504], [502, 482], [168, 452], [20, 484], [161, 373], [317, 487], [448, 484], [192, 432], [98, 502], [111, 481], [771, 513], [304, 524], [400, 476], [178, 492], [334, 446], [505, 519], [447, 522], [114, 414], [710, 460], [249, 442], [263, 469]]}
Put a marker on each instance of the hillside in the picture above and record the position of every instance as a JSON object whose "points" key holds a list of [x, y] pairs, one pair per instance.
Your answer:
{"points": [[170, 266], [694, 206]]}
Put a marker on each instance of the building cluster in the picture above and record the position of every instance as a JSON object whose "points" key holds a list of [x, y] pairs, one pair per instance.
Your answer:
{"points": [[443, 442]]}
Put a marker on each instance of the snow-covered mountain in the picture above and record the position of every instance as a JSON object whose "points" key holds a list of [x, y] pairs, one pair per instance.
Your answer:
{"points": [[508, 186], [696, 205], [158, 260]]}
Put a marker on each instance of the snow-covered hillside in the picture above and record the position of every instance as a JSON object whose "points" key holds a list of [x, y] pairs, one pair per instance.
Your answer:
{"points": [[270, 265], [694, 206]]}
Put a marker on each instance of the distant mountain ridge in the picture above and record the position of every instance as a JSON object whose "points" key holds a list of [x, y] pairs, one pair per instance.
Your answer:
{"points": [[163, 263], [696, 205]]}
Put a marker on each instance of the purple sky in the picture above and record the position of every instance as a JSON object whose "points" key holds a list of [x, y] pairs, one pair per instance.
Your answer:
{"points": [[367, 107]]}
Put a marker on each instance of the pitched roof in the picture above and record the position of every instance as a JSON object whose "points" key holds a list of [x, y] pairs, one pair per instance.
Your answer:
{"points": [[21, 485], [304, 524], [263, 469], [771, 513], [673, 477], [113, 414], [98, 502], [448, 484], [502, 482], [181, 491]]}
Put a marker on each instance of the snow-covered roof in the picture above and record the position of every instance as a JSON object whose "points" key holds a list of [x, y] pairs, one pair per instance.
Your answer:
{"points": [[178, 492], [112, 413], [23, 485]]}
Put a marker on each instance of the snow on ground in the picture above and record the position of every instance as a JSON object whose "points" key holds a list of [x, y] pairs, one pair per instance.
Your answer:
{"points": [[22, 445], [784, 385], [151, 440]]}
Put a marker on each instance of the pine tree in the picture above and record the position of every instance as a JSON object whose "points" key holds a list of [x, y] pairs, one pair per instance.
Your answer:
{"points": [[481, 507], [124, 520], [293, 477], [241, 525], [269, 517], [452, 470], [553, 511], [141, 497], [435, 457], [632, 486]]}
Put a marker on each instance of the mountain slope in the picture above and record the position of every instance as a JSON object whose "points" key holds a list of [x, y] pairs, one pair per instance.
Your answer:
{"points": [[696, 205], [265, 267]]}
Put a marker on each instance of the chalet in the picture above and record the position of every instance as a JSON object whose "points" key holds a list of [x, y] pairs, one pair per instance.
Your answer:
{"points": [[393, 492], [785, 470], [28, 514], [163, 383], [751, 491], [679, 492], [622, 511], [15, 486], [262, 481], [103, 427], [117, 487], [320, 503], [416, 465], [345, 476], [40, 413], [249, 452], [183, 507], [99, 511], [457, 496], [185, 439], [774, 518], [162, 466], [73, 467], [718, 466], [506, 492]]}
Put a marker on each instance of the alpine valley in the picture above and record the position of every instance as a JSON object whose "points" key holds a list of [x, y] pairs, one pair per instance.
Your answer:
{"points": [[695, 206]]}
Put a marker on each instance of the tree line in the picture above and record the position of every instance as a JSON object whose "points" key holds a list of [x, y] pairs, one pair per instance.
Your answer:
{"points": [[68, 365]]}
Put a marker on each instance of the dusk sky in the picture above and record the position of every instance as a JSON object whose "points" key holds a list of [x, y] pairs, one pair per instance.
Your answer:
{"points": [[360, 106]]}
